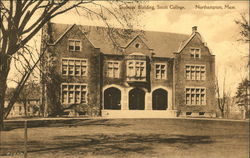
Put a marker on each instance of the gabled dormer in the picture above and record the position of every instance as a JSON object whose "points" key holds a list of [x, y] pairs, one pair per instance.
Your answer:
{"points": [[72, 42], [194, 47], [137, 45]]}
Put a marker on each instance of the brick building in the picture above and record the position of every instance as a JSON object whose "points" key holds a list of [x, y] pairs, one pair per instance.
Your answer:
{"points": [[131, 74]]}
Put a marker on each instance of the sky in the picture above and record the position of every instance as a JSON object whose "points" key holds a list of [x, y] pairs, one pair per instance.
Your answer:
{"points": [[216, 26]]}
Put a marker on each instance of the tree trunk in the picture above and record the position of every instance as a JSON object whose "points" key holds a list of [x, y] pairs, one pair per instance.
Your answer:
{"points": [[25, 107], [2, 99], [222, 113], [4, 71]]}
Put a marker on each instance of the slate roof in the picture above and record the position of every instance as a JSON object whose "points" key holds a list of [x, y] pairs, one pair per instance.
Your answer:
{"points": [[162, 43]]}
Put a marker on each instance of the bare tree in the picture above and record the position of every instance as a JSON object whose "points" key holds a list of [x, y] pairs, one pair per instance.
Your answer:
{"points": [[222, 96], [244, 31], [21, 20], [242, 93]]}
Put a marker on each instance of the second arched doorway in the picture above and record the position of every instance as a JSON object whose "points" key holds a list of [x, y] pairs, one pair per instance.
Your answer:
{"points": [[136, 99]]}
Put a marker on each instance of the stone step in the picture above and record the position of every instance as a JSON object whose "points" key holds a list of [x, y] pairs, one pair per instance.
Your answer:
{"points": [[139, 113]]}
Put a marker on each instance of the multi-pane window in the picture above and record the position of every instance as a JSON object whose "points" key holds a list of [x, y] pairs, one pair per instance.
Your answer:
{"points": [[195, 52], [74, 67], [74, 93], [161, 71], [136, 70], [74, 45], [195, 96], [195, 72], [113, 69]]}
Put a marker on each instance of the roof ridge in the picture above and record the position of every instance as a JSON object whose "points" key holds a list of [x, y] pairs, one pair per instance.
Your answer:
{"points": [[123, 28], [163, 43]]}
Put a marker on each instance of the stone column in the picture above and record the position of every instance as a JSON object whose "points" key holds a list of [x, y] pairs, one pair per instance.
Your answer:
{"points": [[124, 100], [170, 99], [148, 101]]}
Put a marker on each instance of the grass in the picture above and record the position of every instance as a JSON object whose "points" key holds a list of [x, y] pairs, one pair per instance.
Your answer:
{"points": [[130, 138]]}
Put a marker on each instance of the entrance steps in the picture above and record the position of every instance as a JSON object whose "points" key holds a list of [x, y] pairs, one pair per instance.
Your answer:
{"points": [[139, 113]]}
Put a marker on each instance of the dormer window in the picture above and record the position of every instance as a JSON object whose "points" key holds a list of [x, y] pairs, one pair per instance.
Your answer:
{"points": [[195, 52], [137, 45], [74, 45]]}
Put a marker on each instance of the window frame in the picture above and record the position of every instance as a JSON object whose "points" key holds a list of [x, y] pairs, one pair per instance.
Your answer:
{"points": [[155, 71], [113, 68], [74, 45], [196, 73], [188, 100], [143, 73], [195, 53], [83, 63], [74, 92]]}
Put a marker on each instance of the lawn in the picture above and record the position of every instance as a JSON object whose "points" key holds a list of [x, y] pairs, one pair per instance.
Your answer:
{"points": [[130, 138]]}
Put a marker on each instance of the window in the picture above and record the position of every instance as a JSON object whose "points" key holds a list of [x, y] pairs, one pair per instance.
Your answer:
{"points": [[74, 93], [136, 70], [201, 113], [195, 72], [137, 45], [188, 113], [195, 96], [113, 69], [195, 52], [74, 45], [74, 67], [160, 71]]}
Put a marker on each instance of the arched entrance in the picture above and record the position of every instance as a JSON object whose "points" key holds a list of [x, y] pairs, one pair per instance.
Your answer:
{"points": [[160, 99], [136, 99], [112, 98]]}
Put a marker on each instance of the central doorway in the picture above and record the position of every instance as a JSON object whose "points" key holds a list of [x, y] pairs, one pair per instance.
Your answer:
{"points": [[136, 99]]}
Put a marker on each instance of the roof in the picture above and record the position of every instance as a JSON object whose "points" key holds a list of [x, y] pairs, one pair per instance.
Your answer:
{"points": [[163, 44]]}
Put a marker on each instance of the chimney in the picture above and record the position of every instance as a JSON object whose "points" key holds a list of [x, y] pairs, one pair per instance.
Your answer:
{"points": [[194, 29]]}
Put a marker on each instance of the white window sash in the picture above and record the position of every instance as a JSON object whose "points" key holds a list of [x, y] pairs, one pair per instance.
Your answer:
{"points": [[72, 66], [195, 96], [113, 69], [73, 99], [195, 72], [162, 72]]}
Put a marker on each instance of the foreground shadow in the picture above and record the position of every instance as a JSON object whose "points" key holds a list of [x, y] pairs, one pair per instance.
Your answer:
{"points": [[62, 123], [117, 144]]}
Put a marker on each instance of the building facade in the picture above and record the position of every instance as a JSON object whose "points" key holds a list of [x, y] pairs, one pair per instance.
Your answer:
{"points": [[107, 72]]}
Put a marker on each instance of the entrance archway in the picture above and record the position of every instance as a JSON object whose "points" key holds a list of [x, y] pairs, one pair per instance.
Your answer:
{"points": [[112, 98], [136, 99], [160, 99]]}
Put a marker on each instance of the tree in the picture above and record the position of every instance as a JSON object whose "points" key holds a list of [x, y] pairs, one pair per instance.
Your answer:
{"points": [[30, 91], [244, 31], [222, 96], [243, 96], [21, 20], [244, 28]]}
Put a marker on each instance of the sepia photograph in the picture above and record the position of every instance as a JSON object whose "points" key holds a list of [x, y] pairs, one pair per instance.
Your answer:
{"points": [[124, 79]]}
